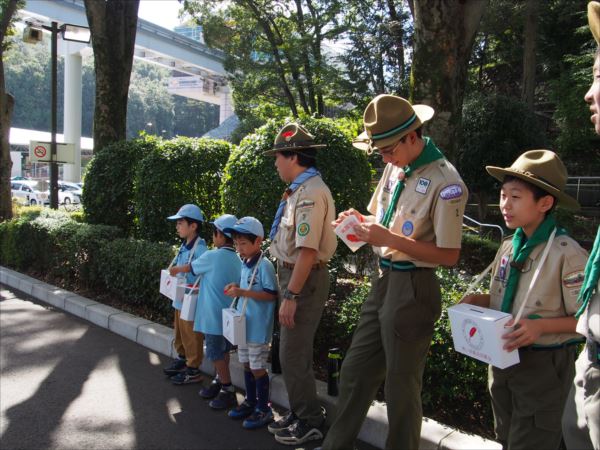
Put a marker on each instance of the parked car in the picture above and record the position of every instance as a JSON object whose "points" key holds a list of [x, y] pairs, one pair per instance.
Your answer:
{"points": [[69, 192], [24, 193]]}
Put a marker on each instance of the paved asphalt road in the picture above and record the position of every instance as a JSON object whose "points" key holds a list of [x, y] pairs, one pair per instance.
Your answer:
{"points": [[68, 384]]}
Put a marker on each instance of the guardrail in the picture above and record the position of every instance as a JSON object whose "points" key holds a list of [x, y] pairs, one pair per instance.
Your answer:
{"points": [[586, 190]]}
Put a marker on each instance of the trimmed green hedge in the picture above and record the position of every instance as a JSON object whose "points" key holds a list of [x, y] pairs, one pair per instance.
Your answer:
{"points": [[176, 172]]}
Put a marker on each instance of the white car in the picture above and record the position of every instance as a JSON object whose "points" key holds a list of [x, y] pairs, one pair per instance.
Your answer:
{"points": [[27, 194], [69, 192]]}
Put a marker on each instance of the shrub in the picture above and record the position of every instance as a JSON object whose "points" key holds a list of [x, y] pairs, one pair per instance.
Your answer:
{"points": [[180, 171], [477, 253], [251, 185], [130, 269], [108, 189]]}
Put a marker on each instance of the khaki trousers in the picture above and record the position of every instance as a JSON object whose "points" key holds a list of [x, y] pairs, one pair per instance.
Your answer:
{"points": [[528, 398], [390, 343], [188, 343], [296, 344], [581, 418]]}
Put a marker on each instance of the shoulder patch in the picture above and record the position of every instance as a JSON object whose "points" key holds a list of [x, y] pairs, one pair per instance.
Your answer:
{"points": [[573, 279], [451, 191], [303, 229], [305, 204]]}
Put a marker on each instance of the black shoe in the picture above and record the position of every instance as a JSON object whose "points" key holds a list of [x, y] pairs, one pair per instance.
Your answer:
{"points": [[224, 400], [211, 391], [178, 365], [188, 376], [282, 423], [298, 433]]}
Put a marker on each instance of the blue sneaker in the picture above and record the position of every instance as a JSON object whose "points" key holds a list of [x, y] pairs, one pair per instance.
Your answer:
{"points": [[258, 419], [242, 411], [190, 375], [211, 390], [224, 400], [176, 366]]}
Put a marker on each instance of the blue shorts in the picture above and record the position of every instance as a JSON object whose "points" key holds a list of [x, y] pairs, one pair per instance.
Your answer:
{"points": [[216, 346]]}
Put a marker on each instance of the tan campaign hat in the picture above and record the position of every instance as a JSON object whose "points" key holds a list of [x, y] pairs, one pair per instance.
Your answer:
{"points": [[542, 168], [293, 138], [594, 19], [387, 119]]}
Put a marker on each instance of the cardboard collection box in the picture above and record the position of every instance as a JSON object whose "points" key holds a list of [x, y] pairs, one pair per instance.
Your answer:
{"points": [[477, 332], [234, 326], [171, 287]]}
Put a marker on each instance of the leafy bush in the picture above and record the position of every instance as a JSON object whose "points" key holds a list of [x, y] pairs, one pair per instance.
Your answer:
{"points": [[130, 269], [477, 253], [496, 130], [251, 185], [176, 172], [108, 189]]}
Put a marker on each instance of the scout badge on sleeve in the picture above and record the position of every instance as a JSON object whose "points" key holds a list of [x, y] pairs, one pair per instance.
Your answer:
{"points": [[234, 321], [477, 332], [345, 230]]}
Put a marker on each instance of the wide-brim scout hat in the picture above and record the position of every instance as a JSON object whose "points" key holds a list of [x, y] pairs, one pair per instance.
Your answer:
{"points": [[188, 211], [387, 118], [542, 168], [294, 138], [594, 19]]}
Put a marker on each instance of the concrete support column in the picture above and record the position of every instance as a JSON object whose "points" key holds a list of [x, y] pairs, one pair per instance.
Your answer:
{"points": [[226, 105], [72, 112]]}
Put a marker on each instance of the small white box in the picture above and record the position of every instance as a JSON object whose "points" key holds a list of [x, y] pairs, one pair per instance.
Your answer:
{"points": [[188, 308], [234, 326], [345, 230], [171, 287], [477, 332]]}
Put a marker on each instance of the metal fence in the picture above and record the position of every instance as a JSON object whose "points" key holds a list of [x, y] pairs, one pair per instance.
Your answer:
{"points": [[585, 189]]}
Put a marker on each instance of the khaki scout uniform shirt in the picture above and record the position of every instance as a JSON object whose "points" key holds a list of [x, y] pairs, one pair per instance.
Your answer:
{"points": [[556, 289], [306, 222], [430, 208]]}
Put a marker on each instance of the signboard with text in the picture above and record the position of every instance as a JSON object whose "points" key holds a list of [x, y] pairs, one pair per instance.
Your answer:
{"points": [[40, 152]]}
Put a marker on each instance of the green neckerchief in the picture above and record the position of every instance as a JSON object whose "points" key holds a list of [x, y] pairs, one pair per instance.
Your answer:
{"points": [[429, 154], [522, 248], [592, 273]]}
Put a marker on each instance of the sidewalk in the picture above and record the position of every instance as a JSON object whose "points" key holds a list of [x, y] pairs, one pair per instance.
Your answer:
{"points": [[158, 338]]}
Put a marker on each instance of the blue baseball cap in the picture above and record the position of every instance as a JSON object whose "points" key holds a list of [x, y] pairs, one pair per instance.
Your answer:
{"points": [[248, 225], [188, 211], [222, 223]]}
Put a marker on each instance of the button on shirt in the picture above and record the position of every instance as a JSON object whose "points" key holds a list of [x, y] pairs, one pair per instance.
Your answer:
{"points": [[556, 289], [183, 258], [259, 313], [218, 268], [430, 207], [306, 223]]}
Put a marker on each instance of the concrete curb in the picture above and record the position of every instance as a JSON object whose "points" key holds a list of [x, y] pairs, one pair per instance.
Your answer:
{"points": [[434, 436]]}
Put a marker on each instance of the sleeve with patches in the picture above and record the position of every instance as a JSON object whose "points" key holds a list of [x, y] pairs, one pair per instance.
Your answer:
{"points": [[311, 209], [448, 211], [572, 275]]}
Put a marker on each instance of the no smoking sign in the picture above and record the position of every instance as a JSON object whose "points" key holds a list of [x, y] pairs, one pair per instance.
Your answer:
{"points": [[40, 151]]}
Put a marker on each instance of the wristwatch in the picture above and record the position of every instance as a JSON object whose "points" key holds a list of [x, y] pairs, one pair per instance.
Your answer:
{"points": [[289, 295]]}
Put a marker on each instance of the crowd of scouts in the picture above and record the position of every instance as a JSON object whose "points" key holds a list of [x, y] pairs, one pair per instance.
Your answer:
{"points": [[414, 224]]}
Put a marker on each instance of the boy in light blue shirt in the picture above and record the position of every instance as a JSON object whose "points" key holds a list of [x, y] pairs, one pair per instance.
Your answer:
{"points": [[257, 290], [189, 345], [218, 268]]}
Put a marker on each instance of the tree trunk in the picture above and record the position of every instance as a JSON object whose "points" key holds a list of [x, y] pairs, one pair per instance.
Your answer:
{"points": [[6, 108], [530, 37], [443, 40], [113, 25]]}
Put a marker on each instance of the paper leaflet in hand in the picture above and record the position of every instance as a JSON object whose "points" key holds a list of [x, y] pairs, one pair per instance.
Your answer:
{"points": [[345, 230]]}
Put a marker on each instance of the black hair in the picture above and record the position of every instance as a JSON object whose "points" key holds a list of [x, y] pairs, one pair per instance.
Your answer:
{"points": [[228, 240], [251, 237], [307, 157], [191, 221], [537, 191]]}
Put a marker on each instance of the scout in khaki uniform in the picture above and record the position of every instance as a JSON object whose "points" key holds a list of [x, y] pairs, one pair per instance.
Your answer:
{"points": [[581, 419], [416, 220], [303, 242], [528, 398]]}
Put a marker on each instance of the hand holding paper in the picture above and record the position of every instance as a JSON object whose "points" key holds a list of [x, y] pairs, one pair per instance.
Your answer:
{"points": [[345, 230]]}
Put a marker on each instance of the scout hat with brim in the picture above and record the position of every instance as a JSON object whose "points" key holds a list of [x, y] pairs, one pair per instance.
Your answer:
{"points": [[594, 19], [542, 168], [388, 118], [293, 138]]}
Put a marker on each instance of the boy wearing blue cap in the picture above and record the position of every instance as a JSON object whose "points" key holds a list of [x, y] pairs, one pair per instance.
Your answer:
{"points": [[257, 292], [218, 268], [189, 345]]}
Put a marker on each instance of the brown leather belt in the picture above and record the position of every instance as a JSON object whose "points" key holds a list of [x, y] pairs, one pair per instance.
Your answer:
{"points": [[319, 265]]}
